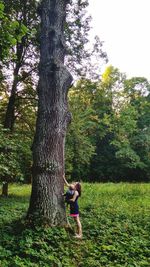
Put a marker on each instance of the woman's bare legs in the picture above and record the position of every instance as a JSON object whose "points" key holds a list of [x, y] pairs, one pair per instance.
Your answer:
{"points": [[79, 227]]}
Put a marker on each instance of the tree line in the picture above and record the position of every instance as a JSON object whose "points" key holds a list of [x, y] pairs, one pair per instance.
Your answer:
{"points": [[108, 139]]}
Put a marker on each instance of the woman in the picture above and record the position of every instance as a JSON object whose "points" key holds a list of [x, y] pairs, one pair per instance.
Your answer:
{"points": [[75, 193]]}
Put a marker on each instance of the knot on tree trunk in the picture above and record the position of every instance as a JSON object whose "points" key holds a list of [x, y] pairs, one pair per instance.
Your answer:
{"points": [[59, 72]]}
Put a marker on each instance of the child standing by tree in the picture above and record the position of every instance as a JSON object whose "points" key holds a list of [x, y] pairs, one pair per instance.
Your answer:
{"points": [[74, 192]]}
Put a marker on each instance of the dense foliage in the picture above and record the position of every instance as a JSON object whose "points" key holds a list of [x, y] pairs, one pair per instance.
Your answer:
{"points": [[15, 157], [11, 32], [115, 230], [19, 50], [108, 139]]}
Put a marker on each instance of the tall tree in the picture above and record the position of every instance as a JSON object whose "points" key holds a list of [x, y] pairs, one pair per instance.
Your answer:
{"points": [[80, 145], [21, 64], [17, 62], [21, 53], [53, 117]]}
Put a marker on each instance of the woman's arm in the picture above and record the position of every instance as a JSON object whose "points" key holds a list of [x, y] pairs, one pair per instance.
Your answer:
{"points": [[65, 181]]}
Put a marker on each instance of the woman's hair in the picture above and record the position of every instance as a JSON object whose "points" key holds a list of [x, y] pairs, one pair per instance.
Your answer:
{"points": [[78, 188]]}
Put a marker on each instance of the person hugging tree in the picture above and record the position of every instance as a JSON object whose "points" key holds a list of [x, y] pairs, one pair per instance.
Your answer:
{"points": [[72, 195]]}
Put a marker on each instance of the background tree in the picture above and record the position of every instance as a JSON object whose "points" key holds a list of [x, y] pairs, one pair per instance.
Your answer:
{"points": [[106, 106], [112, 116], [18, 65], [21, 63], [10, 32], [132, 131], [83, 59], [80, 145], [13, 149]]}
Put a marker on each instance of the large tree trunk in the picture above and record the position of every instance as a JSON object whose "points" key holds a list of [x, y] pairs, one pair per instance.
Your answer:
{"points": [[53, 117]]}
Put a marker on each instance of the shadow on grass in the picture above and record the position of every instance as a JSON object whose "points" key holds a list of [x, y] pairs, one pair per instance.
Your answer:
{"points": [[15, 227]]}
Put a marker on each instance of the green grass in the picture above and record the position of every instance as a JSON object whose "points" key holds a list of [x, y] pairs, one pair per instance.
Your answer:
{"points": [[116, 230]]}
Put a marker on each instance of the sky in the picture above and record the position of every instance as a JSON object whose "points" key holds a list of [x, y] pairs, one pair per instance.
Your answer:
{"points": [[124, 26]]}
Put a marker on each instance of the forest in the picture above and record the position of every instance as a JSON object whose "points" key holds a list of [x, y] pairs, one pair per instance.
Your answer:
{"points": [[108, 138], [63, 119]]}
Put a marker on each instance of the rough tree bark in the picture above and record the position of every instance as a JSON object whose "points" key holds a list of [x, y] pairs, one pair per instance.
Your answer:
{"points": [[53, 117]]}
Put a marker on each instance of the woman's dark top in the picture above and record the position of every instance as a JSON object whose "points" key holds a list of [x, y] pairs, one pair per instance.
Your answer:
{"points": [[74, 207]]}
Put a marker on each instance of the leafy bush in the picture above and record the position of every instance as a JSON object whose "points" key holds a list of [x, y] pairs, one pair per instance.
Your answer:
{"points": [[15, 156]]}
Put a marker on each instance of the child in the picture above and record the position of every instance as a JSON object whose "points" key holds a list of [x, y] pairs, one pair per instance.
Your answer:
{"points": [[72, 198], [68, 195]]}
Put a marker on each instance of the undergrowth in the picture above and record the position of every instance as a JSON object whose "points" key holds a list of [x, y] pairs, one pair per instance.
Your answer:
{"points": [[116, 227]]}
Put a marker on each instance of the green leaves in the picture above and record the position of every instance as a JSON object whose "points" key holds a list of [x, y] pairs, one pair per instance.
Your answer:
{"points": [[79, 145], [109, 135], [1, 10], [115, 220], [12, 150], [11, 32]]}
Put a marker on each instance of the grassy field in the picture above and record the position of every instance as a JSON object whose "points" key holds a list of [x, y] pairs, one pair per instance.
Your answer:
{"points": [[116, 229]]}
